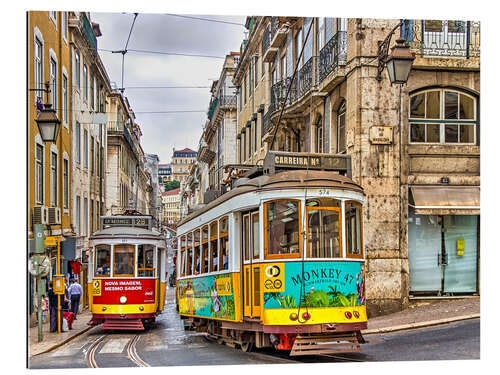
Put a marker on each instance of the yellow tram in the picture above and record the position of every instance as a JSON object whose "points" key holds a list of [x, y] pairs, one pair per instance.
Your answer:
{"points": [[278, 260], [126, 272]]}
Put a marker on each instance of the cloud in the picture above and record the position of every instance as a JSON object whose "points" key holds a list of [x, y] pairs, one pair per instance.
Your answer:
{"points": [[164, 33]]}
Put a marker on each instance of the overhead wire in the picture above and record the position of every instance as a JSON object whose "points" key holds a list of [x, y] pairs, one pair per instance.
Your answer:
{"points": [[204, 19]]}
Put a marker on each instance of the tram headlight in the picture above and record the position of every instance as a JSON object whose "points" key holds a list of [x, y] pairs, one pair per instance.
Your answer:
{"points": [[123, 299], [104, 308], [294, 316], [141, 308]]}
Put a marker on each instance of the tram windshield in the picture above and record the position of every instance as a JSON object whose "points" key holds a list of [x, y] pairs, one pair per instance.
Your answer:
{"points": [[282, 227], [123, 263], [323, 228], [353, 220], [102, 260]]}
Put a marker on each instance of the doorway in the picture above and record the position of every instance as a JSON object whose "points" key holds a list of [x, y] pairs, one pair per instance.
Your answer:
{"points": [[251, 271]]}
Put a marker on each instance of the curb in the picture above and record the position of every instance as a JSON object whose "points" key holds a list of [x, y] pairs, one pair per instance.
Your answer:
{"points": [[420, 324], [65, 341]]}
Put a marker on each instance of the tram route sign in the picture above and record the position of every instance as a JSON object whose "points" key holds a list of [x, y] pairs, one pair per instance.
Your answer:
{"points": [[276, 160], [126, 221]]}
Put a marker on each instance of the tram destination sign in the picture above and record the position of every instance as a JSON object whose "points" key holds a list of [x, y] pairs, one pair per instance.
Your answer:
{"points": [[126, 221], [276, 160]]}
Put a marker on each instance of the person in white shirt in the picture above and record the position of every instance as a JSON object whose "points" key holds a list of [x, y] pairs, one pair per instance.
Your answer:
{"points": [[75, 291]]}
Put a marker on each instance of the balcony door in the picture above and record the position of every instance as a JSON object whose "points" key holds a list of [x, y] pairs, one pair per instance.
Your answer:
{"points": [[445, 38]]}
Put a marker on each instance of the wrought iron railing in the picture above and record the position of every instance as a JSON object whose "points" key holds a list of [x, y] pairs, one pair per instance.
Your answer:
{"points": [[266, 39], [89, 31], [306, 77], [266, 121], [213, 105], [434, 38], [114, 126], [332, 55], [274, 27], [227, 101]]}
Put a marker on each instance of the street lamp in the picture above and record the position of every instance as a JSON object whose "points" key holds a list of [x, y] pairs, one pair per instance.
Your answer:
{"points": [[48, 124], [399, 62]]}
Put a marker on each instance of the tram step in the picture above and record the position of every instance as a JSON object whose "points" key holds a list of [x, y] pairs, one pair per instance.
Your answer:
{"points": [[129, 324], [325, 344]]}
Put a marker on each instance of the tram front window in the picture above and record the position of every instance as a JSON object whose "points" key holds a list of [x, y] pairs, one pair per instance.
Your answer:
{"points": [[102, 260], [353, 229], [282, 228], [145, 267], [123, 264]]}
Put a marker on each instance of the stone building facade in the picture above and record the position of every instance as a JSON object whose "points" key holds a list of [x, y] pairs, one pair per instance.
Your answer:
{"points": [[414, 151]]}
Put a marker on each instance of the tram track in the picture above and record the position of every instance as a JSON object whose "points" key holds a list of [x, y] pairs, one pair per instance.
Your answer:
{"points": [[90, 355]]}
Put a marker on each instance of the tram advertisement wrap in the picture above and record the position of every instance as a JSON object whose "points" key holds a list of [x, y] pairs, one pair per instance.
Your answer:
{"points": [[210, 296], [137, 291], [324, 284]]}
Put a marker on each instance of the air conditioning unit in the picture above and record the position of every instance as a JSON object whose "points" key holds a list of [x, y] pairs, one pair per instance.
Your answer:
{"points": [[54, 215], [40, 215]]}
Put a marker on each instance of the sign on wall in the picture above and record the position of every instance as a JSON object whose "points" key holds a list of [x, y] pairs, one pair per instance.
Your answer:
{"points": [[381, 135]]}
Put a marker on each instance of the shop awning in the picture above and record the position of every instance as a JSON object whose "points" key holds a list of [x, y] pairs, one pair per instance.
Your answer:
{"points": [[446, 200]]}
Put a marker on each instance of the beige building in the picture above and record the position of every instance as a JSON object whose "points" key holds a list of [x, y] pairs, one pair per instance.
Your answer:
{"points": [[171, 207], [322, 77], [181, 162]]}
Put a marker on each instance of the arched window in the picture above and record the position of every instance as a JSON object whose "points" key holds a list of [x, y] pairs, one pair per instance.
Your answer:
{"points": [[341, 147], [443, 116]]}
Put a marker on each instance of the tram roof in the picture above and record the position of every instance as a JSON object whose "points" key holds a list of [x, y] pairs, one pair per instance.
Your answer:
{"points": [[126, 232], [293, 179]]}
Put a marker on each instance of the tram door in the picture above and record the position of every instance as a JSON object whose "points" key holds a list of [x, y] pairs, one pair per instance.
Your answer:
{"points": [[251, 271]]}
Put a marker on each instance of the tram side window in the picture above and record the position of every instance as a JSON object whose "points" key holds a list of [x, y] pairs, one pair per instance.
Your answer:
{"points": [[197, 239], [145, 266], [124, 260], [189, 254], [102, 260], [182, 269], [354, 226], [282, 228], [213, 259], [224, 244], [204, 249], [323, 228]]}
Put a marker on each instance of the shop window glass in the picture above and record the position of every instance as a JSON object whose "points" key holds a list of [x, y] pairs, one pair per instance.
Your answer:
{"points": [[282, 228], [102, 260], [124, 260]]}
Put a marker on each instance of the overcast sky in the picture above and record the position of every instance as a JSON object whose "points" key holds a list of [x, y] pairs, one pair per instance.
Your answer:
{"points": [[165, 33]]}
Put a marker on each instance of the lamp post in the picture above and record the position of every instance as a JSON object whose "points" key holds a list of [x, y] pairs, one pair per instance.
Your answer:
{"points": [[48, 127], [399, 63]]}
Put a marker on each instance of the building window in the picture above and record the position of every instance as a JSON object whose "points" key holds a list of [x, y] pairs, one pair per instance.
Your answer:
{"points": [[64, 25], [53, 16], [53, 83], [85, 83], [319, 136], [91, 216], [442, 116], [92, 150], [245, 88], [92, 94], [85, 149], [39, 174], [65, 183], [78, 215], [53, 179], [38, 69], [77, 69], [341, 146], [78, 141], [65, 98], [85, 216]]}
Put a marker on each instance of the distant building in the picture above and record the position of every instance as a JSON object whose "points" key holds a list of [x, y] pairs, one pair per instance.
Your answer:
{"points": [[152, 166], [171, 206], [181, 161], [164, 175]]}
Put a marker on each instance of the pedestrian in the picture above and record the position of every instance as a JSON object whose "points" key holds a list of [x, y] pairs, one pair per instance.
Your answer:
{"points": [[45, 307], [53, 309], [75, 291]]}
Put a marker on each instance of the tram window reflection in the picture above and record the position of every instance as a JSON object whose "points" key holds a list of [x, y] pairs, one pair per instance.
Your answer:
{"points": [[323, 234], [189, 254], [102, 260], [123, 263], [214, 234], [224, 243], [204, 249], [353, 222], [145, 267], [197, 242], [282, 228]]}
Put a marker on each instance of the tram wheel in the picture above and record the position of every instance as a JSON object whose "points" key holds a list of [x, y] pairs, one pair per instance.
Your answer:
{"points": [[246, 346]]}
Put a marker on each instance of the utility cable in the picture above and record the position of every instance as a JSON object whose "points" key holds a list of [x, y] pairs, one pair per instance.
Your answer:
{"points": [[205, 19]]}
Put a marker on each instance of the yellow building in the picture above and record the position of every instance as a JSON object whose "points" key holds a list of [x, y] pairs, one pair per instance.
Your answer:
{"points": [[49, 164], [181, 162]]}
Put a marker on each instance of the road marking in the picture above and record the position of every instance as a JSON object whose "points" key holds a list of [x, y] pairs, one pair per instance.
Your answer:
{"points": [[114, 346]]}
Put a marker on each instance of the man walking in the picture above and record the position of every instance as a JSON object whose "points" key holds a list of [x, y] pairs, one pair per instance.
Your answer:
{"points": [[75, 291]]}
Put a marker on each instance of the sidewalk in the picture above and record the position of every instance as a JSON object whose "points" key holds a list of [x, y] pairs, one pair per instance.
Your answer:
{"points": [[424, 313], [52, 340]]}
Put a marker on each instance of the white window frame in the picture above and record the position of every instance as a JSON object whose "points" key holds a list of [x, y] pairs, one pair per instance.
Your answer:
{"points": [[85, 148], [77, 69], [39, 179], [64, 26], [53, 78], [78, 215], [38, 78], [54, 175], [342, 112], [85, 82], [65, 98], [442, 121], [66, 182], [85, 216], [53, 17], [78, 141]]}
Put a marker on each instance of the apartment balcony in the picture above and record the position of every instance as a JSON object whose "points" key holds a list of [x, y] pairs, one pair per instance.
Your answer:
{"points": [[205, 155], [219, 106], [267, 125], [434, 39], [278, 33], [332, 55], [268, 52]]}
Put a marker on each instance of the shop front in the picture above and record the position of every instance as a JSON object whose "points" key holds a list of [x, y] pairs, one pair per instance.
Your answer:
{"points": [[443, 240]]}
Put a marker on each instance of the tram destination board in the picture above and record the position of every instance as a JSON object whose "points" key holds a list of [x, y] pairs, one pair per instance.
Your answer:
{"points": [[126, 221], [276, 160]]}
